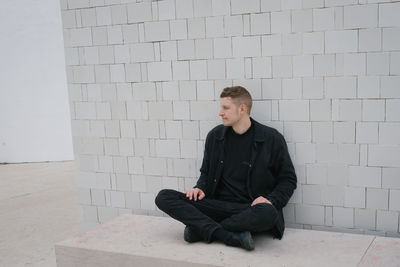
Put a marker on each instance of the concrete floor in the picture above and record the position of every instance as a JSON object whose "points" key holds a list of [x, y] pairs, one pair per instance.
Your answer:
{"points": [[38, 207]]}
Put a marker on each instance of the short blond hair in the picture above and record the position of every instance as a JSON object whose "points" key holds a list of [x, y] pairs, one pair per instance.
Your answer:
{"points": [[238, 94]]}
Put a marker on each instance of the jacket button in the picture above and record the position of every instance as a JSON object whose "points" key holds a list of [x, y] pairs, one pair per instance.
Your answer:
{"points": [[222, 161], [215, 180]]}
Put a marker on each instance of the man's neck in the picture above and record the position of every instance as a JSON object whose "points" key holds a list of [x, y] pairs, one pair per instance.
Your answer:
{"points": [[242, 125]]}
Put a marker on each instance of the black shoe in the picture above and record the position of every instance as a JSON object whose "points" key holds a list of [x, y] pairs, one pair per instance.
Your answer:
{"points": [[190, 235], [243, 240]]}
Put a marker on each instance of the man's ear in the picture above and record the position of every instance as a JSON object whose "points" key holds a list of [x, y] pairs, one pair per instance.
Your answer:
{"points": [[243, 108]]}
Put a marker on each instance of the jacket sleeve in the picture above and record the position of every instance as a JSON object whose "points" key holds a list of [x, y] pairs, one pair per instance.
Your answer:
{"points": [[285, 174], [202, 181]]}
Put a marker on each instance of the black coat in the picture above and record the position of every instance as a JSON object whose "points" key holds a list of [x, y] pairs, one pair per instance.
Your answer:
{"points": [[270, 171]]}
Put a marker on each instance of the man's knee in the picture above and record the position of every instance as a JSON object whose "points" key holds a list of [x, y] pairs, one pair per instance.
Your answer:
{"points": [[164, 196], [266, 213]]}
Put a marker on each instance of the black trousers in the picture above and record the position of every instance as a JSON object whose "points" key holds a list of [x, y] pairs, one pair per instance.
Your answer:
{"points": [[207, 215]]}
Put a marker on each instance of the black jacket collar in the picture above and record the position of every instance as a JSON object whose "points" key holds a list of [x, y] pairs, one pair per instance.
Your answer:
{"points": [[258, 132]]}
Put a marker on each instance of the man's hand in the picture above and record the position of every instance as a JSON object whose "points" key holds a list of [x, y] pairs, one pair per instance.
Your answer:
{"points": [[195, 194], [260, 200]]}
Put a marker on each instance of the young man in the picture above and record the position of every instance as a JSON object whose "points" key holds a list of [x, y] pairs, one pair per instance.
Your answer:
{"points": [[247, 177]]}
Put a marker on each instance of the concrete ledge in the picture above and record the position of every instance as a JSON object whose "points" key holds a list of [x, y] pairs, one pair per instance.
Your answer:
{"points": [[136, 240]]}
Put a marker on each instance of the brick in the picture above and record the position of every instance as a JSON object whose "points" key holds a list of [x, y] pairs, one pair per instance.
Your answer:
{"points": [[323, 19], [339, 2], [313, 43], [368, 87], [166, 10], [332, 195], [188, 149], [106, 55], [81, 37], [216, 69], [350, 110], [103, 16], [310, 214], [271, 45], [291, 88], [137, 110], [144, 91], [198, 70], [235, 68], [147, 129], [360, 16], [270, 5], [239, 7], [214, 27], [369, 40], [167, 148], [395, 63], [394, 200], [114, 34], [367, 133], [135, 165], [260, 24], [324, 65], [105, 165], [120, 164], [390, 87], [143, 52], [170, 90], [385, 156], [139, 183], [130, 33], [343, 217], [391, 39], [365, 218], [322, 132], [291, 44], [187, 90], [388, 15], [132, 200], [196, 28], [204, 49], [387, 220], [302, 20], [313, 88], [233, 25], [178, 29], [190, 130], [280, 22], [203, 110], [354, 197], [364, 176], [272, 88], [341, 87], [311, 194], [373, 110], [327, 153], [378, 63], [159, 71], [303, 66], [205, 90], [344, 132], [286, 108], [305, 153], [338, 174], [119, 14], [393, 110], [147, 201], [122, 54], [261, 110], [246, 46], [253, 86], [186, 49], [139, 12], [155, 166], [261, 67], [354, 64], [185, 9], [156, 31], [390, 178], [220, 7], [341, 41], [160, 110], [282, 66], [320, 110], [180, 70]]}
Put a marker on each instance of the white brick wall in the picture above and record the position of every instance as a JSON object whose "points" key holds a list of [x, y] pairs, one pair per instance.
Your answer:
{"points": [[144, 83]]}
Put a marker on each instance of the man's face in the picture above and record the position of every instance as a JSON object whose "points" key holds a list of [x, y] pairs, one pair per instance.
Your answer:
{"points": [[229, 112]]}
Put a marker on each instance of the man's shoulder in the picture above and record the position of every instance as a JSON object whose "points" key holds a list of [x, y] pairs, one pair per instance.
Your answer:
{"points": [[267, 131]]}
